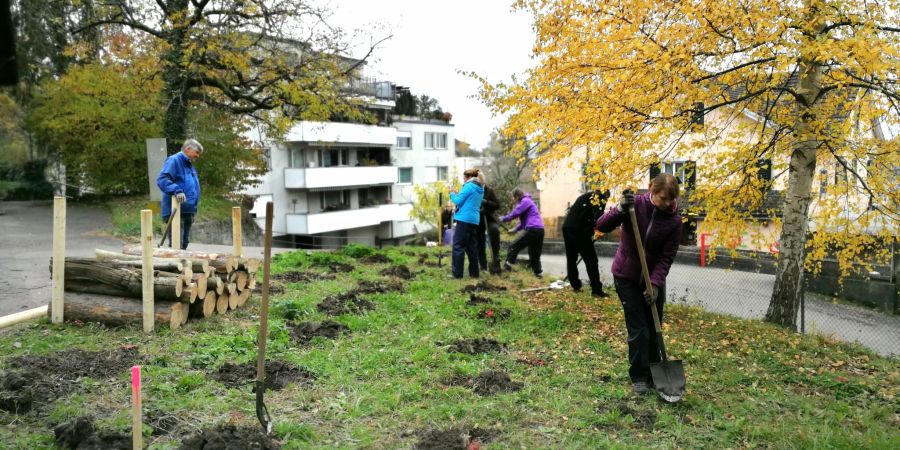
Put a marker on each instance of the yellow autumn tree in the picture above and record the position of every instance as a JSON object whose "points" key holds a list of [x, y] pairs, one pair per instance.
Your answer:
{"points": [[806, 89]]}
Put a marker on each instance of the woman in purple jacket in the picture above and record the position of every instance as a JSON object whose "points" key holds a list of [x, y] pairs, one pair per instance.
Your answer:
{"points": [[530, 221], [660, 225]]}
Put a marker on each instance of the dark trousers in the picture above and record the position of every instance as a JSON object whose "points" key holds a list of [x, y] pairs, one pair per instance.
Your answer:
{"points": [[534, 240], [643, 347], [186, 221], [488, 230], [579, 243], [464, 245]]}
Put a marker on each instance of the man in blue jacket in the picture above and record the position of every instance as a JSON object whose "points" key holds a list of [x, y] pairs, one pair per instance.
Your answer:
{"points": [[179, 178], [467, 217]]}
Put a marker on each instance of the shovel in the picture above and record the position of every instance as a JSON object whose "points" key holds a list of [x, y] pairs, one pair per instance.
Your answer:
{"points": [[262, 413], [668, 375], [440, 227]]}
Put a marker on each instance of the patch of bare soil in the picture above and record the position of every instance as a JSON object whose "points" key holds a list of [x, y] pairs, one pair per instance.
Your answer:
{"points": [[475, 300], [454, 439], [376, 258], [162, 423], [379, 286], [278, 374], [306, 331], [33, 381], [643, 418], [230, 437], [483, 286], [339, 267], [425, 261], [476, 346], [346, 303], [80, 433], [302, 276], [489, 382], [401, 271]]}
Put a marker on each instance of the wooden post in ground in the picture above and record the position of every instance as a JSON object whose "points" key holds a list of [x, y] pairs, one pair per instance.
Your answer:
{"points": [[176, 224], [236, 231], [136, 434], [59, 259], [147, 269]]}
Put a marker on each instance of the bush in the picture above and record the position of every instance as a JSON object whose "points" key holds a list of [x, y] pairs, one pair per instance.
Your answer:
{"points": [[355, 250], [25, 181]]}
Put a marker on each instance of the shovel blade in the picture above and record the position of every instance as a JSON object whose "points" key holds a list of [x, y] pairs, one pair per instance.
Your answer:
{"points": [[668, 377]]}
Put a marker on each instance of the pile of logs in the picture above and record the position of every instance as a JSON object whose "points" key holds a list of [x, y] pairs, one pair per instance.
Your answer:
{"points": [[186, 284]]}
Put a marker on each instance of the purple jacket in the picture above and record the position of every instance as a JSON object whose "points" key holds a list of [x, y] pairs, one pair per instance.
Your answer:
{"points": [[661, 232], [527, 212]]}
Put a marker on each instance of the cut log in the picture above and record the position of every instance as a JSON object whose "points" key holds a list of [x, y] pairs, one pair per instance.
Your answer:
{"points": [[218, 283], [119, 311], [233, 299], [244, 296], [209, 304], [187, 274], [241, 280], [222, 304], [101, 278], [135, 249], [81, 286], [201, 280], [166, 265], [190, 292], [251, 283]]}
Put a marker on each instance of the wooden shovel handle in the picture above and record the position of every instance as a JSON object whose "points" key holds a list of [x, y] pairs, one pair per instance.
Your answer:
{"points": [[644, 269]]}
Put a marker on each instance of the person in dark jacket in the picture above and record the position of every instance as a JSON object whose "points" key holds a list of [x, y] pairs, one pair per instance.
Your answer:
{"points": [[660, 226], [488, 229], [533, 238], [178, 178], [578, 236], [468, 207]]}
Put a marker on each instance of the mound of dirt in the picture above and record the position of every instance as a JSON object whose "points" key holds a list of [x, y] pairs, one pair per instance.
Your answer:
{"points": [[376, 258], [424, 261], [401, 271], [643, 418], [339, 267], [489, 382], [80, 433], [475, 300], [346, 303], [302, 276], [278, 374], [33, 381], [483, 286], [454, 439], [227, 437], [379, 286], [476, 346], [306, 331]]}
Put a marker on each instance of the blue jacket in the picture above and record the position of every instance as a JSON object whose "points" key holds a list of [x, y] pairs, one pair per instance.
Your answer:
{"points": [[179, 175], [468, 202]]}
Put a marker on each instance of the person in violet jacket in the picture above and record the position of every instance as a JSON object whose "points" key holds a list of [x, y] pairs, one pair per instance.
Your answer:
{"points": [[178, 178], [533, 238], [660, 225], [468, 212]]}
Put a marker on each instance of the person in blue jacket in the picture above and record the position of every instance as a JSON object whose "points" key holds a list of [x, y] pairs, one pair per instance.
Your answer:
{"points": [[468, 214], [178, 178]]}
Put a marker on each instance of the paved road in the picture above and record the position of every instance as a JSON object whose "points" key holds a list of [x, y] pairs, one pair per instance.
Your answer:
{"points": [[26, 242], [746, 294]]}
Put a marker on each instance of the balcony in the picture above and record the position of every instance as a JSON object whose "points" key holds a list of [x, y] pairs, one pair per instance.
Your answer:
{"points": [[342, 133], [346, 219], [334, 177]]}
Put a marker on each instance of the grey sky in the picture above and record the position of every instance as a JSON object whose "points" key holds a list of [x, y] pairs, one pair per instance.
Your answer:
{"points": [[432, 40]]}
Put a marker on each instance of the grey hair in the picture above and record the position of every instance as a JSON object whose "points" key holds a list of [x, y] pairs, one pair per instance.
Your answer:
{"points": [[192, 143]]}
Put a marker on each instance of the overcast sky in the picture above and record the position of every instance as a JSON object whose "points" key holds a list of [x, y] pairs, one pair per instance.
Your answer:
{"points": [[432, 40]]}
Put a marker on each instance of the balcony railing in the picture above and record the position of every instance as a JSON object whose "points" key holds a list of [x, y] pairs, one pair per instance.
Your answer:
{"points": [[347, 219], [342, 133], [370, 87], [341, 176]]}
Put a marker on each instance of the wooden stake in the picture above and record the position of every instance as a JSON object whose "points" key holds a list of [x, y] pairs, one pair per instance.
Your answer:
{"points": [[147, 271], [236, 231], [176, 224], [59, 258], [136, 435], [264, 313]]}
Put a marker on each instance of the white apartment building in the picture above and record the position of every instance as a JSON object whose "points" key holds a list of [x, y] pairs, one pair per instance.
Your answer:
{"points": [[333, 183]]}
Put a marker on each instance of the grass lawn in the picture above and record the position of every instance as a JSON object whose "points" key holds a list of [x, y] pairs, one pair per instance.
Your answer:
{"points": [[392, 379], [126, 214]]}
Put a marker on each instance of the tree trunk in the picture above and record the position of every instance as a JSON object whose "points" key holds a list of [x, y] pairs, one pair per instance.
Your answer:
{"points": [[118, 311], [788, 289], [175, 77], [102, 278]]}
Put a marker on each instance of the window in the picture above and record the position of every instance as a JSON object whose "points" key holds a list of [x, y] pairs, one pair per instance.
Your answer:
{"points": [[442, 173], [675, 168], [404, 175], [334, 200], [404, 139], [334, 157], [297, 158], [436, 141]]}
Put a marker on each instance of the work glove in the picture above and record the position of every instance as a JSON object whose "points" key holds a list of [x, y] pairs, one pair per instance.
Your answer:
{"points": [[627, 200], [651, 297], [180, 197]]}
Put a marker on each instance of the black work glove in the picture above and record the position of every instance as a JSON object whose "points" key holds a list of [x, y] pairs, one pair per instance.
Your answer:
{"points": [[651, 297], [627, 200]]}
